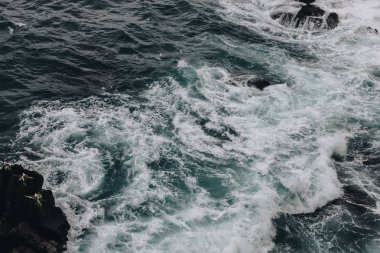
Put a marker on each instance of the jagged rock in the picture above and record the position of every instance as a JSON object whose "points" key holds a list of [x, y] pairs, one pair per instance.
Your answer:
{"points": [[258, 83], [29, 219], [310, 17]]}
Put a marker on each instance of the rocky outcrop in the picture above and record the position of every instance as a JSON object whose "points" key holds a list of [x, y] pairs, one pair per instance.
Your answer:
{"points": [[29, 219], [309, 17]]}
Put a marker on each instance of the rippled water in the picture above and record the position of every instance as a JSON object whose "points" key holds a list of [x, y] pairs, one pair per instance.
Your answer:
{"points": [[127, 109]]}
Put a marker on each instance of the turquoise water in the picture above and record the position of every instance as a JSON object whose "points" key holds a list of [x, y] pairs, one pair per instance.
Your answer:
{"points": [[127, 110]]}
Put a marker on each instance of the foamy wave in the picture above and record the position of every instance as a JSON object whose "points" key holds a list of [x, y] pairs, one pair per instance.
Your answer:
{"points": [[201, 166]]}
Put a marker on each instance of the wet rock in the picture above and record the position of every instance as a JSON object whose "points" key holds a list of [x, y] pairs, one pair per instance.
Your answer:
{"points": [[250, 81], [29, 219], [332, 20], [310, 10], [306, 1], [230, 82], [258, 83], [372, 30], [219, 131], [309, 17]]}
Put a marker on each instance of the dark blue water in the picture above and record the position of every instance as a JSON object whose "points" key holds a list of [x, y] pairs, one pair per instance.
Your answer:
{"points": [[127, 109]]}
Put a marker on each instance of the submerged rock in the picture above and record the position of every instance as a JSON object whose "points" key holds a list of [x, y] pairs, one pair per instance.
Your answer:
{"points": [[233, 83], [366, 30], [309, 17], [251, 82], [258, 83], [372, 30], [29, 219]]}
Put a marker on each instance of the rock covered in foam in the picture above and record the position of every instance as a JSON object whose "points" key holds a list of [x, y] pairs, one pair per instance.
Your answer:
{"points": [[309, 17], [365, 30], [258, 83], [372, 30], [251, 82], [29, 219]]}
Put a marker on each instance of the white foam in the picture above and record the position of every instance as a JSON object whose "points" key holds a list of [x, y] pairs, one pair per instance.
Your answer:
{"points": [[283, 137], [182, 64], [256, 16], [330, 96], [335, 144], [19, 24], [11, 30], [78, 141]]}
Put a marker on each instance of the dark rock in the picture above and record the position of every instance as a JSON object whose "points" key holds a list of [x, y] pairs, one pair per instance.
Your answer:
{"points": [[29, 219], [222, 132], [332, 20], [22, 249], [230, 82], [258, 83], [21, 181], [372, 30], [306, 1], [55, 220], [310, 10], [310, 17]]}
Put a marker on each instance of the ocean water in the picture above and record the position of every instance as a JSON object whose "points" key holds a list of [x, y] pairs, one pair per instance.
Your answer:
{"points": [[127, 109]]}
